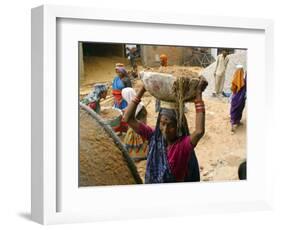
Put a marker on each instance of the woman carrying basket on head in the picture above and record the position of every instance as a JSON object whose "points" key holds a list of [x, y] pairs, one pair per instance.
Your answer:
{"points": [[171, 156]]}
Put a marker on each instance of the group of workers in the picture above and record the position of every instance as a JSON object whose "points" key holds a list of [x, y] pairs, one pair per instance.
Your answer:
{"points": [[168, 147]]}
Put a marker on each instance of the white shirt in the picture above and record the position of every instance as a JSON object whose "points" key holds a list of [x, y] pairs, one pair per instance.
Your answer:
{"points": [[221, 64]]}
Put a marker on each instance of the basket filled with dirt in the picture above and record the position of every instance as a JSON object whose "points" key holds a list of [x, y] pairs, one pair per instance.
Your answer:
{"points": [[172, 84], [103, 159], [111, 116]]}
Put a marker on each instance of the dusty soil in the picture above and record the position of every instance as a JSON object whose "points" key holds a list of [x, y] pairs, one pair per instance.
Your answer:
{"points": [[101, 161], [99, 70], [178, 71], [219, 152]]}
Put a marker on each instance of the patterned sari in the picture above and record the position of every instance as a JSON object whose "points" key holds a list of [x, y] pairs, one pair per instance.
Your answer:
{"points": [[178, 163]]}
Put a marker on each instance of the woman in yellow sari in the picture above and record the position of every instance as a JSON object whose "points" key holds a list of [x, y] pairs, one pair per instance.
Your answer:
{"points": [[238, 99], [136, 145]]}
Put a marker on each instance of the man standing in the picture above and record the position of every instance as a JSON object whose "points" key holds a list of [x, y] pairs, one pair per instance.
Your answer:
{"points": [[219, 73], [132, 53]]}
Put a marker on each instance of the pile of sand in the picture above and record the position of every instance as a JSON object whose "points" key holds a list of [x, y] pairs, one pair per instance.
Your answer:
{"points": [[101, 161], [234, 60], [177, 71]]}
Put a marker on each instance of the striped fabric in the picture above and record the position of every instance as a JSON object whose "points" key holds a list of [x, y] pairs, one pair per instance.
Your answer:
{"points": [[135, 144]]}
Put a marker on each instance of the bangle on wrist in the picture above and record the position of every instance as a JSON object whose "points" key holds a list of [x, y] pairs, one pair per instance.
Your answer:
{"points": [[199, 106], [136, 100], [198, 101], [200, 111]]}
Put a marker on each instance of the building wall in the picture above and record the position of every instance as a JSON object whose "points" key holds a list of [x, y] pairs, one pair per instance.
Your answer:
{"points": [[151, 55]]}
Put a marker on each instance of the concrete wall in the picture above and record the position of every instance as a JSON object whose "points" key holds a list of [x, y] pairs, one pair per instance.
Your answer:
{"points": [[150, 55], [176, 55]]}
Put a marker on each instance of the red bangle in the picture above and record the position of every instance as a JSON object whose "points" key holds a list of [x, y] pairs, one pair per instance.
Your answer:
{"points": [[136, 100], [200, 110], [198, 101], [199, 106]]}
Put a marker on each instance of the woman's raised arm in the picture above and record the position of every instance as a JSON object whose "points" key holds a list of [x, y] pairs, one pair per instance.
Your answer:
{"points": [[129, 115]]}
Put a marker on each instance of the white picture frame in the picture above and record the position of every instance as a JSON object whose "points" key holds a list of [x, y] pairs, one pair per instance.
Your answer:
{"points": [[56, 200]]}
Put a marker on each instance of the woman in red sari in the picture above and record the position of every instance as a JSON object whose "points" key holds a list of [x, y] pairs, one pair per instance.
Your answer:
{"points": [[171, 156]]}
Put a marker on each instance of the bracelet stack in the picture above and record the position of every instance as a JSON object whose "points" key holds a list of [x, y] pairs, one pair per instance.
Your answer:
{"points": [[199, 106], [136, 100]]}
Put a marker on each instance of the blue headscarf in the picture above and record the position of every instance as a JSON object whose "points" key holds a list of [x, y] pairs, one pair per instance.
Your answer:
{"points": [[157, 165]]}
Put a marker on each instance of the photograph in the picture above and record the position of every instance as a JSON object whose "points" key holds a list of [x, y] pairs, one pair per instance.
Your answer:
{"points": [[161, 114]]}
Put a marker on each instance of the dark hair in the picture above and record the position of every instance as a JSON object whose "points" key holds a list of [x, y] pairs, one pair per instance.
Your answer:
{"points": [[142, 114], [242, 171], [170, 113]]}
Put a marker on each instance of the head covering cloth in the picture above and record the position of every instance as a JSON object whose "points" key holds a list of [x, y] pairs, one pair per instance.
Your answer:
{"points": [[238, 79], [164, 59], [157, 168], [128, 94], [122, 70], [95, 93]]}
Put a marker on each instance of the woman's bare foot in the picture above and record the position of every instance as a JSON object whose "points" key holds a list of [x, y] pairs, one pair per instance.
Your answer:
{"points": [[233, 128]]}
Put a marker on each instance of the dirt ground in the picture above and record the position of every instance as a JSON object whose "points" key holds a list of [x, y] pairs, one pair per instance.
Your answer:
{"points": [[99, 69], [219, 152]]}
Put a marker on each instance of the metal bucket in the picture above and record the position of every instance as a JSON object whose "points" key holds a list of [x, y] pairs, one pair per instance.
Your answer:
{"points": [[116, 120]]}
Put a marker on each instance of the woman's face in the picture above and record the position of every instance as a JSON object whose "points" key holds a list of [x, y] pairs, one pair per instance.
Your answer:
{"points": [[168, 128], [121, 75], [103, 94]]}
